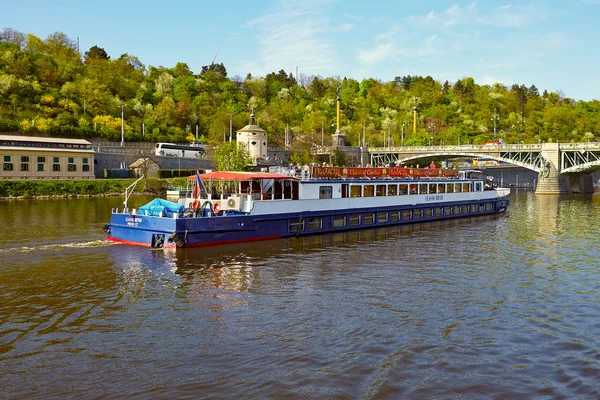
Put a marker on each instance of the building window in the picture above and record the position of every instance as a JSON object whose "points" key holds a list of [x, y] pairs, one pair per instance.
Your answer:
{"points": [[71, 160], [55, 167], [71, 168], [381, 190], [6, 158], [382, 217], [24, 166], [339, 221], [369, 218], [85, 167], [41, 159], [354, 219], [7, 166], [315, 224], [55, 159], [40, 167], [24, 159], [325, 192]]}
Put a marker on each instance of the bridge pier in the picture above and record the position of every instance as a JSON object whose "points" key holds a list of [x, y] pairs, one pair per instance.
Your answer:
{"points": [[551, 181]]}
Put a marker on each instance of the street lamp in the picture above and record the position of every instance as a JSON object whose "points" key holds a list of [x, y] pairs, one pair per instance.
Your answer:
{"points": [[431, 141], [495, 118], [122, 125], [521, 122], [230, 126]]}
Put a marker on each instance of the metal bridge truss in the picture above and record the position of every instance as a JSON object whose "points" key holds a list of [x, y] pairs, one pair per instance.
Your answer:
{"points": [[528, 159], [573, 161]]}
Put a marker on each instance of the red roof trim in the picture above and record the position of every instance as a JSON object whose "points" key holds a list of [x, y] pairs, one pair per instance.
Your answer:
{"points": [[241, 176]]}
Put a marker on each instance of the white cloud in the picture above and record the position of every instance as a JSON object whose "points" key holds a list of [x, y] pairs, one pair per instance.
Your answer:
{"points": [[293, 35]]}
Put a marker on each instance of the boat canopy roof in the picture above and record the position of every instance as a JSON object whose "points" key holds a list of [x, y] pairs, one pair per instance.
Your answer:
{"points": [[241, 176]]}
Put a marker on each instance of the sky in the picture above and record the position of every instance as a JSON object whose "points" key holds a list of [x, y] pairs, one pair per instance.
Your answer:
{"points": [[551, 44]]}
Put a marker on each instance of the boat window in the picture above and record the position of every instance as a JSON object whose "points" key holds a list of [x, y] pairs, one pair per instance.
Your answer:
{"points": [[406, 215], [478, 186], [482, 207], [381, 190], [354, 219], [456, 209], [418, 214], [458, 187], [325, 192], [382, 217], [442, 188], [450, 188], [296, 225], [369, 191], [489, 206], [474, 209], [403, 189], [428, 212], [466, 187], [447, 210], [423, 188], [369, 218], [339, 221], [438, 211], [413, 188], [392, 190], [355, 191], [395, 216], [465, 209], [315, 224], [344, 190], [432, 188]]}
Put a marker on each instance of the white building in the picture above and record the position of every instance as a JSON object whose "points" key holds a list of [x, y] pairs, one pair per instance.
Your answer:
{"points": [[255, 140]]}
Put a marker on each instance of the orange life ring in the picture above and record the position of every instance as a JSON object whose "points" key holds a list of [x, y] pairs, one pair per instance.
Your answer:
{"points": [[217, 207], [195, 205]]}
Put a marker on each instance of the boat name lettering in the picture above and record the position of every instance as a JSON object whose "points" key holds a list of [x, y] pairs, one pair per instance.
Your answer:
{"points": [[133, 219], [434, 198]]}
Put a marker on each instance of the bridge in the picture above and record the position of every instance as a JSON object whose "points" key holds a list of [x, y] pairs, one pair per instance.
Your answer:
{"points": [[562, 167]]}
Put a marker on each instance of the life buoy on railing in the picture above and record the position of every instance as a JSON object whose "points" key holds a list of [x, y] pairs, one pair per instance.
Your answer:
{"points": [[195, 205], [217, 207]]}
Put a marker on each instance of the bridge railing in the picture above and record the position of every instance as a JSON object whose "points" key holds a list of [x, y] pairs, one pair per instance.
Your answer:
{"points": [[458, 148]]}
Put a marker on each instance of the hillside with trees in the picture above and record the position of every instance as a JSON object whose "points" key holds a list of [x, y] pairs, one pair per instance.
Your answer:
{"points": [[48, 87]]}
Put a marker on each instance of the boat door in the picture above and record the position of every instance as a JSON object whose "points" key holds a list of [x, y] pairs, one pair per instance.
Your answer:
{"points": [[344, 190]]}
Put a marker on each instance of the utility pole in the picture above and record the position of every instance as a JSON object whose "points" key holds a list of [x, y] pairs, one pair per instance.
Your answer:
{"points": [[415, 115], [322, 133], [122, 125]]}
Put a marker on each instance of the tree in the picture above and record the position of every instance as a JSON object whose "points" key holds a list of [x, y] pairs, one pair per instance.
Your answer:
{"points": [[232, 156], [96, 53]]}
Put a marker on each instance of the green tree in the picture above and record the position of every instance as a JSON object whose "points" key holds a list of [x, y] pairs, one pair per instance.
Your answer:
{"points": [[232, 156]]}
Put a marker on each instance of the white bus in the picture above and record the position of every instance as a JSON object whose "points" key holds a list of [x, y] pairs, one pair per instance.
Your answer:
{"points": [[193, 150]]}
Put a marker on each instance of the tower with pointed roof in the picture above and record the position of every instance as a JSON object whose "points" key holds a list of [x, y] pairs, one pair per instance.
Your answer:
{"points": [[254, 138]]}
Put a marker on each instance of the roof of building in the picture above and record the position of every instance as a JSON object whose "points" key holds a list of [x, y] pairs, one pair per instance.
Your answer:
{"points": [[141, 161], [42, 139], [252, 128]]}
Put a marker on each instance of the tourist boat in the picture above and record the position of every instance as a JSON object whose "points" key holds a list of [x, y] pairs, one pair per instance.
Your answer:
{"points": [[230, 207]]}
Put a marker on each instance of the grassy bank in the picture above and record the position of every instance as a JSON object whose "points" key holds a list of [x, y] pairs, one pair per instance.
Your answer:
{"points": [[65, 188]]}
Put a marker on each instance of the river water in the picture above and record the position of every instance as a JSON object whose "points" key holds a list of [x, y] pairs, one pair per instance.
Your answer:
{"points": [[491, 307]]}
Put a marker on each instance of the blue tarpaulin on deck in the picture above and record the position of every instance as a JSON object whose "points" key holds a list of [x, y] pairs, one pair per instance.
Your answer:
{"points": [[160, 207]]}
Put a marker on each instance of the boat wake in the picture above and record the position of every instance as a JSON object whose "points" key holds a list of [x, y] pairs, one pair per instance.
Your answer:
{"points": [[27, 249]]}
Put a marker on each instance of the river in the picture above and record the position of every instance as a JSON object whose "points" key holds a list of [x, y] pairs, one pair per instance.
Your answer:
{"points": [[491, 307]]}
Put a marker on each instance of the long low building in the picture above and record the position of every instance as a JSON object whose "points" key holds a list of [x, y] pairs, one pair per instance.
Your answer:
{"points": [[31, 157]]}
